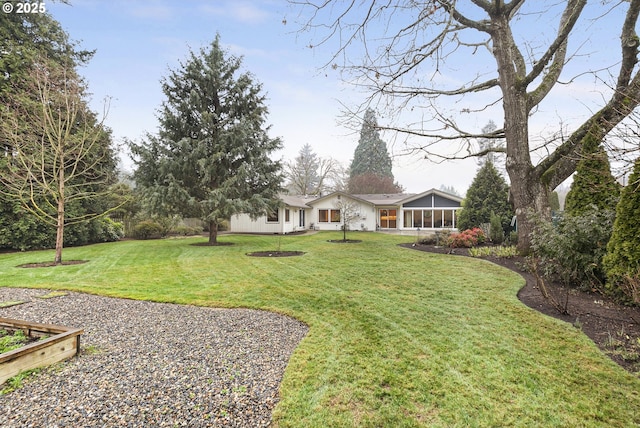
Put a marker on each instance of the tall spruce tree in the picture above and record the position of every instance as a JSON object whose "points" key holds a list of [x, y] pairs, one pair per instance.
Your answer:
{"points": [[210, 158], [488, 193], [622, 261], [370, 170], [593, 185]]}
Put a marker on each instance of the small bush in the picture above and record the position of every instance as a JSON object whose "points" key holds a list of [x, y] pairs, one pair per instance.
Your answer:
{"points": [[184, 231], [506, 252], [572, 251], [110, 231], [466, 239], [496, 232], [429, 240], [147, 229]]}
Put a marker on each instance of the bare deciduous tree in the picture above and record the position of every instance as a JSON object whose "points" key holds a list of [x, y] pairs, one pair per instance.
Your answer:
{"points": [[309, 174], [412, 57], [56, 149]]}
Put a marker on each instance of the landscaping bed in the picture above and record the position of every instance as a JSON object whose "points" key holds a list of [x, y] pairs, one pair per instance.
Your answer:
{"points": [[56, 343]]}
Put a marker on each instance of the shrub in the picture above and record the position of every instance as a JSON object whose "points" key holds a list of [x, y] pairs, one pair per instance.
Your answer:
{"points": [[431, 239], [147, 229], [572, 251], [184, 230], [466, 239], [622, 262], [496, 232]]}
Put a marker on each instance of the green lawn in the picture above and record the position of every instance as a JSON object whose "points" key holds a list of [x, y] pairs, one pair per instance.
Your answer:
{"points": [[398, 338]]}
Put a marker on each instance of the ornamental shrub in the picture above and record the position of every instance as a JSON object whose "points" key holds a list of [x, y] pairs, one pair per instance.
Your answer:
{"points": [[496, 232], [466, 239], [147, 229], [572, 250]]}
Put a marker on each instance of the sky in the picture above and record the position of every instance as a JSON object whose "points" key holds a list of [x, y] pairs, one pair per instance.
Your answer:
{"points": [[138, 42]]}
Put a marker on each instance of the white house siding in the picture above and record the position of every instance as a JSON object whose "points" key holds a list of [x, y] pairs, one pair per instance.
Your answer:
{"points": [[365, 220], [242, 223]]}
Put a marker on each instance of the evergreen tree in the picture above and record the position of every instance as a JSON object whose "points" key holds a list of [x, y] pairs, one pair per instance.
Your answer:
{"points": [[210, 158], [488, 193], [371, 160], [593, 184], [622, 262]]}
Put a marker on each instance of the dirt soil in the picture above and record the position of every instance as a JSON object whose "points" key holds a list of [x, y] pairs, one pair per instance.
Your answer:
{"points": [[614, 328], [275, 253]]}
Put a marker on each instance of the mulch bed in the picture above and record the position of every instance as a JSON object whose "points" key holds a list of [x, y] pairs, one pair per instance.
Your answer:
{"points": [[275, 253], [51, 264], [614, 328]]}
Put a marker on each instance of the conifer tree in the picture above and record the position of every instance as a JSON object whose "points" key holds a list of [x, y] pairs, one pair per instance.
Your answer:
{"points": [[488, 193], [622, 261], [593, 184], [210, 158], [370, 170]]}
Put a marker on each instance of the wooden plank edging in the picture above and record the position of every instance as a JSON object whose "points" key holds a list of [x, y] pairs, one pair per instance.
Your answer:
{"points": [[64, 343]]}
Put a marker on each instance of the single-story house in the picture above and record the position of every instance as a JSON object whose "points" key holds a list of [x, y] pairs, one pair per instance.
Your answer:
{"points": [[430, 210]]}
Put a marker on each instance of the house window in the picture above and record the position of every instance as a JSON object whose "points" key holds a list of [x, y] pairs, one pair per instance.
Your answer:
{"points": [[417, 218], [427, 219], [326, 216], [408, 218], [448, 218], [272, 217], [287, 216]]}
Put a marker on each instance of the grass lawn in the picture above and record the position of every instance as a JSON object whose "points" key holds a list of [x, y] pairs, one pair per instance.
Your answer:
{"points": [[398, 338]]}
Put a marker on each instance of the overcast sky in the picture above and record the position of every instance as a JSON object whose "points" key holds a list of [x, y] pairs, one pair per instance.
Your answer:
{"points": [[138, 42]]}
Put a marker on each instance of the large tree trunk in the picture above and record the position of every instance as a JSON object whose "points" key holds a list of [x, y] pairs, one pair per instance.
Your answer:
{"points": [[528, 192], [213, 233], [530, 199]]}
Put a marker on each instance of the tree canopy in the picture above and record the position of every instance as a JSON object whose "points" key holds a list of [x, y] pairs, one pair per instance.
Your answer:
{"points": [[593, 185], [59, 157], [371, 167], [210, 157], [487, 195], [622, 262], [309, 174], [434, 63]]}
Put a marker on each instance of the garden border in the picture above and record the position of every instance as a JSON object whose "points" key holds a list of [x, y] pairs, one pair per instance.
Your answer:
{"points": [[64, 343]]}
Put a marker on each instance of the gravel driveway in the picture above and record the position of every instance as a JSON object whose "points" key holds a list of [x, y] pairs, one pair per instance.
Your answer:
{"points": [[149, 364]]}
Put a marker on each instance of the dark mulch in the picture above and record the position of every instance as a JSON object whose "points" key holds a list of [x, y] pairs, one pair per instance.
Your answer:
{"points": [[344, 241], [613, 327], [208, 244], [52, 264], [275, 253]]}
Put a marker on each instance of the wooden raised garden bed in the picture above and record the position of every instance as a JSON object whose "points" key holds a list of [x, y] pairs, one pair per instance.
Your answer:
{"points": [[60, 344]]}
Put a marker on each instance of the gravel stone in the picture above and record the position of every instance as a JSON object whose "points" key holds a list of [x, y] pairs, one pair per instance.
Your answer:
{"points": [[145, 364]]}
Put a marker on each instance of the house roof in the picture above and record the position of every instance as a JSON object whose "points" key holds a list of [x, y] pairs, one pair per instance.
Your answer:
{"points": [[446, 195], [380, 199], [346, 195], [384, 198], [295, 201]]}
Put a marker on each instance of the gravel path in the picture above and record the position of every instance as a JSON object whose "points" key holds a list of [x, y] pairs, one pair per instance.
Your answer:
{"points": [[149, 364]]}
